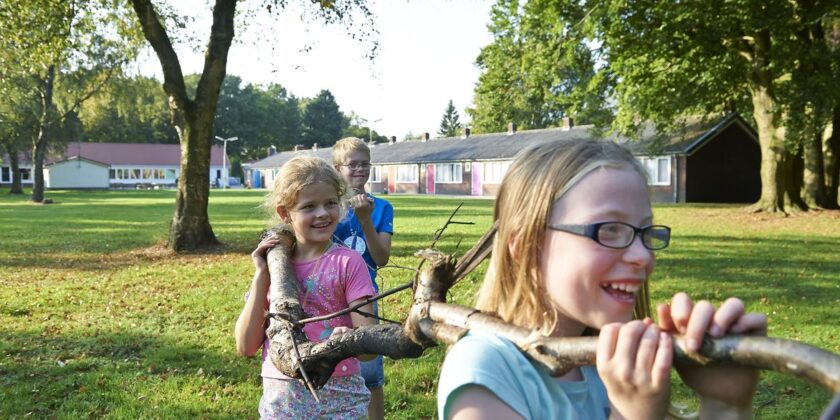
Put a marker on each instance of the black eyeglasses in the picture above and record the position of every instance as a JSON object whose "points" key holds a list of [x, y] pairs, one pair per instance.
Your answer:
{"points": [[357, 165], [619, 235]]}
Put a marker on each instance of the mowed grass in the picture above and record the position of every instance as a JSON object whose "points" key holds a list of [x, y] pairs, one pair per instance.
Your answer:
{"points": [[97, 320]]}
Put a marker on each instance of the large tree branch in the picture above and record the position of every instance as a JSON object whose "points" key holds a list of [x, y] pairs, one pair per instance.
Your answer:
{"points": [[215, 58], [155, 33], [431, 320]]}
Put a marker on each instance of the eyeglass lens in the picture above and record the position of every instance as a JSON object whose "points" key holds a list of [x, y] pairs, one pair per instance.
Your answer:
{"points": [[619, 235], [358, 165]]}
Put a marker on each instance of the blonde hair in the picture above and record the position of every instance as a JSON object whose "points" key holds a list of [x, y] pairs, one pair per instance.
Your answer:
{"points": [[297, 174], [346, 145], [537, 178]]}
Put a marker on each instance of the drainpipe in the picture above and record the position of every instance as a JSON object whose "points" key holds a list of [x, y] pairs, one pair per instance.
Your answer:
{"points": [[676, 178]]}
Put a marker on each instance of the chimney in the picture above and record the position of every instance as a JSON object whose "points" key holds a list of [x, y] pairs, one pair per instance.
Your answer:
{"points": [[298, 147], [314, 147], [392, 140], [272, 150], [568, 123], [466, 134], [425, 137], [511, 128]]}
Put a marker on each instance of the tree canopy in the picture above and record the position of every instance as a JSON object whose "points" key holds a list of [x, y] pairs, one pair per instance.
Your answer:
{"points": [[56, 54], [624, 63], [537, 70]]}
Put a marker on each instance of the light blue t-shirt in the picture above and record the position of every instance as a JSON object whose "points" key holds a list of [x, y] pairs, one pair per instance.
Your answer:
{"points": [[495, 363]]}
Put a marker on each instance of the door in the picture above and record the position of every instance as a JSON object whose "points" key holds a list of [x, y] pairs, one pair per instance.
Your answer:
{"points": [[430, 178]]}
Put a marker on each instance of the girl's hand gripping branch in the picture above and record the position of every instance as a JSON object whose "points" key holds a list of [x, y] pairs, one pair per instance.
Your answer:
{"points": [[720, 389], [634, 361]]}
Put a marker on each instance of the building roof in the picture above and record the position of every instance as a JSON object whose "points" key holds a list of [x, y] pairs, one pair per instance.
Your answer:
{"points": [[498, 146], [694, 134], [126, 154], [79, 159], [494, 146]]}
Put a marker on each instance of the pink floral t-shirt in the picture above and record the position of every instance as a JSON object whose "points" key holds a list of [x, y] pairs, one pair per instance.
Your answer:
{"points": [[327, 284]]}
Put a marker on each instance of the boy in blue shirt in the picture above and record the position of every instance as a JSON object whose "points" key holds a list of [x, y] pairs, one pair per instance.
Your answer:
{"points": [[367, 229]]}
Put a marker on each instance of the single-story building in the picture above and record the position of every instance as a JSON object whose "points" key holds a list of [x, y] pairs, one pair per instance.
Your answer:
{"points": [[716, 161], [77, 173], [114, 165]]}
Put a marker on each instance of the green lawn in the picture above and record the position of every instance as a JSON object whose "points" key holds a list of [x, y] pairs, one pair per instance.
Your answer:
{"points": [[97, 320]]}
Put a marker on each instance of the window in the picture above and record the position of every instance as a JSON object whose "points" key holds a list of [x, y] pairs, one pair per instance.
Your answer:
{"points": [[135, 174], [112, 173], [406, 173], [448, 173], [170, 174], [5, 175], [375, 174], [658, 170], [493, 172], [25, 174]]}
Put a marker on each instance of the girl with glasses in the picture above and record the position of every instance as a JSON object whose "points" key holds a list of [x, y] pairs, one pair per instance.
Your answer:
{"points": [[574, 249]]}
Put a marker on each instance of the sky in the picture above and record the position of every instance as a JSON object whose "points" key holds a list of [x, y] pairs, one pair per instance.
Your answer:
{"points": [[427, 51]]}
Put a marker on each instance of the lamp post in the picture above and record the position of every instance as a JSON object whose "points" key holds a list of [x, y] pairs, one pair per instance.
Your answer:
{"points": [[224, 158]]}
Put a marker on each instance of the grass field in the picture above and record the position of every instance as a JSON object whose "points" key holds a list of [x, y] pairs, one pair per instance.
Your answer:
{"points": [[97, 320]]}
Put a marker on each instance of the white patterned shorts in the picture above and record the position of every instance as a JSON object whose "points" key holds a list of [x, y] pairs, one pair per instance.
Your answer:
{"points": [[343, 397]]}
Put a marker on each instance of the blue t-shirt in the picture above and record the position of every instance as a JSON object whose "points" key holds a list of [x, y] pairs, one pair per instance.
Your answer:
{"points": [[349, 231], [495, 363]]}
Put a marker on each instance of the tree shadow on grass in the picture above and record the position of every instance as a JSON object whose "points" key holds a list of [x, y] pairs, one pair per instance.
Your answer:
{"points": [[122, 375]]}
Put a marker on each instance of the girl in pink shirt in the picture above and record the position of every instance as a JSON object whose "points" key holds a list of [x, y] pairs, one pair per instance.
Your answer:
{"points": [[307, 196]]}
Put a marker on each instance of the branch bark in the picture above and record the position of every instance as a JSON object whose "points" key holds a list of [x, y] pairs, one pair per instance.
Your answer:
{"points": [[431, 320]]}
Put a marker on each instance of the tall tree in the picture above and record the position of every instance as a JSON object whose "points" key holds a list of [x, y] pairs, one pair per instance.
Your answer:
{"points": [[323, 122], [676, 59], [18, 123], [259, 116], [667, 61], [538, 69], [193, 117], [66, 49], [449, 124]]}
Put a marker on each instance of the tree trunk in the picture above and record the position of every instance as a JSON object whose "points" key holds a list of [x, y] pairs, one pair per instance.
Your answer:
{"points": [[779, 192], [190, 227], [193, 119], [831, 166], [14, 165], [813, 177], [39, 149]]}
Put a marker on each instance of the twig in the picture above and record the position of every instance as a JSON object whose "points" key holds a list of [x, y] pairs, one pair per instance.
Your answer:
{"points": [[440, 231], [303, 371], [351, 308]]}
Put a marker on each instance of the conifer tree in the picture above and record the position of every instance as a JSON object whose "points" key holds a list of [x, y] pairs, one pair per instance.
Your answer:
{"points": [[449, 125]]}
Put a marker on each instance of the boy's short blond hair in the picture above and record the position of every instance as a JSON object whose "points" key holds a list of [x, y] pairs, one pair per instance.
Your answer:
{"points": [[346, 145]]}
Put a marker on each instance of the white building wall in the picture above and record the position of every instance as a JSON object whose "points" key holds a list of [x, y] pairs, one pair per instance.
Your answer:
{"points": [[76, 174]]}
